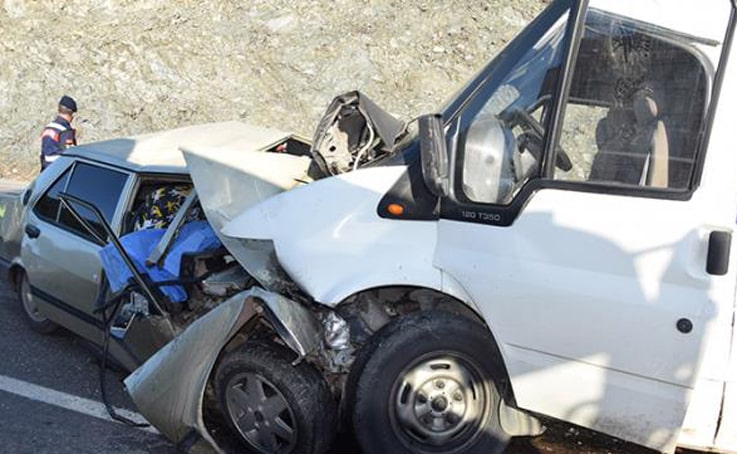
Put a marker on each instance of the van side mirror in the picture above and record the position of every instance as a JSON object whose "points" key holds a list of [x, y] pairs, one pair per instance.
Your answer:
{"points": [[434, 154]]}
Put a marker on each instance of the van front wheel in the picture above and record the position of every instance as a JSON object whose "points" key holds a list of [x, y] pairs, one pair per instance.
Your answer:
{"points": [[428, 387]]}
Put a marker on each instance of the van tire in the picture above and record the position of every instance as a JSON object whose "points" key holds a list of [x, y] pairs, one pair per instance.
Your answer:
{"points": [[35, 319], [427, 386], [259, 390]]}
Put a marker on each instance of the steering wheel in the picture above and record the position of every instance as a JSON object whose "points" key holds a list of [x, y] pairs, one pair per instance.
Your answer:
{"points": [[532, 139]]}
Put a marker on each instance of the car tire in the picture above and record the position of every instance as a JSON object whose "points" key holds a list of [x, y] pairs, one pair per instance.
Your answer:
{"points": [[35, 319], [425, 384], [273, 406]]}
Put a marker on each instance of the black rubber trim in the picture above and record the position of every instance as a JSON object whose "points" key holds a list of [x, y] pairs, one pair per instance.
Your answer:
{"points": [[54, 301], [716, 91], [505, 215], [411, 193], [573, 36], [83, 316]]}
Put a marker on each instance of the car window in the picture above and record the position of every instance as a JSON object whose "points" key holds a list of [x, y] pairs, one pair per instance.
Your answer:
{"points": [[99, 186], [47, 208]]}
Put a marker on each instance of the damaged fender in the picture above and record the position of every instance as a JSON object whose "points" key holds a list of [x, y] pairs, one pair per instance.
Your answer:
{"points": [[169, 388]]}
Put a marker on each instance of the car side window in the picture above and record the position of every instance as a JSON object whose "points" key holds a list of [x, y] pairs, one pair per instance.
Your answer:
{"points": [[99, 186], [47, 207], [638, 102]]}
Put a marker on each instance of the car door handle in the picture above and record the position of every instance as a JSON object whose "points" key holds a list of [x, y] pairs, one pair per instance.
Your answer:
{"points": [[32, 231], [717, 258]]}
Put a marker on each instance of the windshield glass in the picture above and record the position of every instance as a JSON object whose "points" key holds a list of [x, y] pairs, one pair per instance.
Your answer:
{"points": [[502, 129], [520, 44]]}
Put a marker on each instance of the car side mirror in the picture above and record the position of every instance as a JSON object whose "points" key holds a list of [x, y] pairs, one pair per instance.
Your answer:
{"points": [[434, 154]]}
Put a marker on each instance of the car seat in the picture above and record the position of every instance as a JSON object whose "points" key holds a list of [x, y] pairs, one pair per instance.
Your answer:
{"points": [[633, 143]]}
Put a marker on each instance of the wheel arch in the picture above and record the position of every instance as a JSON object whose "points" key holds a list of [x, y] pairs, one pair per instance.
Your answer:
{"points": [[403, 300], [15, 271], [367, 311]]}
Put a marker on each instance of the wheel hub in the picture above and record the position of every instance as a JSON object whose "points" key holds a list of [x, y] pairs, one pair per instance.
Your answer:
{"points": [[261, 414], [439, 401], [440, 404]]}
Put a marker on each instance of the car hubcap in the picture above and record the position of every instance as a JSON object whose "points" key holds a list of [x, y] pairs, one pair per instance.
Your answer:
{"points": [[440, 401], [28, 304], [261, 414]]}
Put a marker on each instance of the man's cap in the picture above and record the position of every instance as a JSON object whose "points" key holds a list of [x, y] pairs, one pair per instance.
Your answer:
{"points": [[68, 102]]}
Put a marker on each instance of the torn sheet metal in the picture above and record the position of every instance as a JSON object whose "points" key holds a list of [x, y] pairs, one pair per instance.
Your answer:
{"points": [[353, 131], [172, 400], [230, 181]]}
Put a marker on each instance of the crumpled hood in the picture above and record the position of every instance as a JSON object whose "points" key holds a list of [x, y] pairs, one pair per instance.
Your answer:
{"points": [[291, 236], [228, 181]]}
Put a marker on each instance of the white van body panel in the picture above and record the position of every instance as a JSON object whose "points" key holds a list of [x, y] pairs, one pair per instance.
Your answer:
{"points": [[575, 301], [348, 235]]}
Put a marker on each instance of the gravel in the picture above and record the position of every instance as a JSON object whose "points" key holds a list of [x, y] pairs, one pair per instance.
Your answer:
{"points": [[146, 65]]}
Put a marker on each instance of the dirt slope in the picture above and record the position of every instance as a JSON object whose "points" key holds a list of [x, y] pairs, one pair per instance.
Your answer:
{"points": [[140, 66]]}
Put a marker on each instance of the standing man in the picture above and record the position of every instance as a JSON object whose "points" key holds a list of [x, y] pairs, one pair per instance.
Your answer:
{"points": [[58, 135]]}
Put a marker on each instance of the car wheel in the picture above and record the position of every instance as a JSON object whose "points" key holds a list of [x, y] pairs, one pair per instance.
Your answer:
{"points": [[35, 319], [272, 406], [427, 387]]}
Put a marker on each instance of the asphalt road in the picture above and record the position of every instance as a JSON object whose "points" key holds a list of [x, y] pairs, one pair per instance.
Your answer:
{"points": [[50, 402]]}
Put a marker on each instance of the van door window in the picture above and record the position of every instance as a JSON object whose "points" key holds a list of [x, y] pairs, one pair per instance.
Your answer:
{"points": [[502, 147], [638, 100]]}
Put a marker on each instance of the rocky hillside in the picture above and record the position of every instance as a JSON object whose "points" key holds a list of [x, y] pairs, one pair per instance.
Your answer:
{"points": [[137, 66]]}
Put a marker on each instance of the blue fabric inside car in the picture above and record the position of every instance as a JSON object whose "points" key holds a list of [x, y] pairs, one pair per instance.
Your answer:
{"points": [[195, 236]]}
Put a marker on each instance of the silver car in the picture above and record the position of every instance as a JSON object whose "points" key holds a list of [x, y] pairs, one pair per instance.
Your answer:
{"points": [[53, 255]]}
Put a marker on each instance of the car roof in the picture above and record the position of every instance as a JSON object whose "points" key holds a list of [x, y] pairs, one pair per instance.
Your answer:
{"points": [[159, 152]]}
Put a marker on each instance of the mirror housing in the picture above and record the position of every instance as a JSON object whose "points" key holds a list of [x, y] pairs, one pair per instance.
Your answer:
{"points": [[434, 154]]}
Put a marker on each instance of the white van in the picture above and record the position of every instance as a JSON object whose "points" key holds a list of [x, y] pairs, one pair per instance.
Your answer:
{"points": [[555, 242]]}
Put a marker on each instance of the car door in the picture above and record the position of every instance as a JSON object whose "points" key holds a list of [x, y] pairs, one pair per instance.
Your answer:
{"points": [[60, 255], [589, 263]]}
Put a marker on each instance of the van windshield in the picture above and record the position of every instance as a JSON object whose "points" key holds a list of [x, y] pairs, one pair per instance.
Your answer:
{"points": [[522, 44]]}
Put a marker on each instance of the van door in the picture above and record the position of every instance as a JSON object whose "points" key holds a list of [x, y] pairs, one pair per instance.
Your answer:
{"points": [[594, 261]]}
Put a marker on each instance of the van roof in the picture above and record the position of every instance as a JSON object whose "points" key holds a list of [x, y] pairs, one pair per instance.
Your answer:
{"points": [[706, 19]]}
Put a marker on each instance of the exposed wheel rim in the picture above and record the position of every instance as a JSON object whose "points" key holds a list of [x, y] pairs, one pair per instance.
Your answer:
{"points": [[440, 403], [29, 306], [261, 414]]}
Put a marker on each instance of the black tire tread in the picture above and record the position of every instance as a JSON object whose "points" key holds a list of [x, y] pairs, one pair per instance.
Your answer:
{"points": [[301, 384], [369, 367]]}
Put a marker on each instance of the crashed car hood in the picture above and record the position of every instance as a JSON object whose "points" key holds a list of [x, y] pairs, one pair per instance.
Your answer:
{"points": [[230, 180]]}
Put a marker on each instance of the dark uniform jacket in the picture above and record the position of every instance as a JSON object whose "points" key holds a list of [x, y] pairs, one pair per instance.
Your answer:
{"points": [[56, 137]]}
